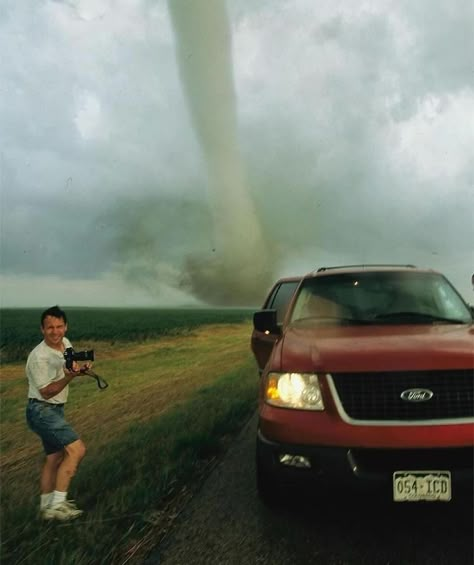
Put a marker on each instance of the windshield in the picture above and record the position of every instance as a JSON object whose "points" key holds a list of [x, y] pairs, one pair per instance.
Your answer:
{"points": [[380, 297]]}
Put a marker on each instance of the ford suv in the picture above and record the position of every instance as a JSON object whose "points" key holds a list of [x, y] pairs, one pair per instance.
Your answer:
{"points": [[367, 377]]}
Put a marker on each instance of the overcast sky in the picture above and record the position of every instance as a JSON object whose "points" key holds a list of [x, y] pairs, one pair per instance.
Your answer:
{"points": [[353, 124]]}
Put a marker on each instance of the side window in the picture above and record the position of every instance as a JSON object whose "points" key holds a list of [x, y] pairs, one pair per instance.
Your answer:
{"points": [[281, 297], [271, 297]]}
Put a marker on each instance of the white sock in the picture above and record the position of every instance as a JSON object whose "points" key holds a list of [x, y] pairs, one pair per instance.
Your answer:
{"points": [[58, 497], [45, 500]]}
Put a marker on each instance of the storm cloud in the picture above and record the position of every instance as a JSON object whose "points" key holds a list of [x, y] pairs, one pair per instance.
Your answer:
{"points": [[354, 127]]}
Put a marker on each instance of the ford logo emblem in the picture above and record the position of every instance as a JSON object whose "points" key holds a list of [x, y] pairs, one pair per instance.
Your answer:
{"points": [[417, 395]]}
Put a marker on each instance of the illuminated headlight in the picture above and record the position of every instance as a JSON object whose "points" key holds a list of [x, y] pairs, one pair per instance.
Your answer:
{"points": [[294, 390]]}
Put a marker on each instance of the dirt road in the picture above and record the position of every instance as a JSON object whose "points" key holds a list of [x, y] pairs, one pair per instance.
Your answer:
{"points": [[226, 524]]}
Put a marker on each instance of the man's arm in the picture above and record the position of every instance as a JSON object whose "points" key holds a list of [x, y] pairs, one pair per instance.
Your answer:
{"points": [[56, 387]]}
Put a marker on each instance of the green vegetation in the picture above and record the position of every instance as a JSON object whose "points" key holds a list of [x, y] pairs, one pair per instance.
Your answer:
{"points": [[170, 409], [20, 327]]}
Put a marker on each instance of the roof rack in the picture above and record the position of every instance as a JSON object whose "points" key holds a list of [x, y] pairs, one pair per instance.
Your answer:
{"points": [[321, 269]]}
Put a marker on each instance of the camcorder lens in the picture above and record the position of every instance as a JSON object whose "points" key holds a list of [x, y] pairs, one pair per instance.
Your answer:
{"points": [[70, 356], [87, 355]]}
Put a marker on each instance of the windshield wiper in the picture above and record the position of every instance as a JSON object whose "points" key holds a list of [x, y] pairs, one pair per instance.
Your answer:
{"points": [[417, 316], [339, 319]]}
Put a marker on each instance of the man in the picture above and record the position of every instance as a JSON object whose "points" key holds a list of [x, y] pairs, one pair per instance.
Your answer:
{"points": [[48, 380]]}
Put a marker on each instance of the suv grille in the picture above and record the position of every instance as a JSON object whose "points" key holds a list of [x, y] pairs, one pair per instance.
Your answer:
{"points": [[376, 396]]}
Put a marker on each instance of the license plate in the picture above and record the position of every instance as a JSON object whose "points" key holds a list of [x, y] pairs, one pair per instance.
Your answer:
{"points": [[412, 486]]}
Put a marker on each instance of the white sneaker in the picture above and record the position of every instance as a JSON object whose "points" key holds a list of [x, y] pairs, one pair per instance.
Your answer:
{"points": [[63, 511]]}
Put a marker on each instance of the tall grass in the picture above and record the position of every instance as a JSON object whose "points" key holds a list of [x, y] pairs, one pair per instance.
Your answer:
{"points": [[134, 474], [171, 407]]}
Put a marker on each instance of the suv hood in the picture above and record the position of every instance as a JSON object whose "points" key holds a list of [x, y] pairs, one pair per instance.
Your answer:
{"points": [[376, 348]]}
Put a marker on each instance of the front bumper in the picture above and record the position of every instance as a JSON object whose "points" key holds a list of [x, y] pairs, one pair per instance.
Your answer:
{"points": [[359, 467]]}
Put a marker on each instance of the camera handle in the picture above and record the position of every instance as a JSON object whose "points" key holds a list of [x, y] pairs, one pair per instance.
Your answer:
{"points": [[101, 382]]}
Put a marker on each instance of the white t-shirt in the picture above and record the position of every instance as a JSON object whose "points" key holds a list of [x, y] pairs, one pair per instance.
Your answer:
{"points": [[45, 365]]}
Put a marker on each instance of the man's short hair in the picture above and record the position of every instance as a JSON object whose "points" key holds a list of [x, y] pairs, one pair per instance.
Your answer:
{"points": [[55, 312]]}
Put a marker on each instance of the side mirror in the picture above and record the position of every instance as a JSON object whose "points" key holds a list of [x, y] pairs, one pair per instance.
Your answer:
{"points": [[266, 321]]}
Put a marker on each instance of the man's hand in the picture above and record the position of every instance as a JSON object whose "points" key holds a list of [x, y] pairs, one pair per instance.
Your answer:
{"points": [[74, 370]]}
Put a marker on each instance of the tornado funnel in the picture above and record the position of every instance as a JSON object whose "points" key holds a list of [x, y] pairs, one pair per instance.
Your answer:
{"points": [[235, 270]]}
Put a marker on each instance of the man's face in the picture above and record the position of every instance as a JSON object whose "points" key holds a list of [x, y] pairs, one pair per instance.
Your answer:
{"points": [[53, 330]]}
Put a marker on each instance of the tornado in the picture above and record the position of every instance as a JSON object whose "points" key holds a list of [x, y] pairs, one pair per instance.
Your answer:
{"points": [[236, 269]]}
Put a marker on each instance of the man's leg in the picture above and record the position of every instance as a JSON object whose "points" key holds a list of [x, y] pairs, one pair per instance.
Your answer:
{"points": [[49, 472], [73, 454], [61, 508], [48, 478]]}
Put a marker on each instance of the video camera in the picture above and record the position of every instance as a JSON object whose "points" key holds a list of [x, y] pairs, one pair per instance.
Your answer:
{"points": [[70, 356]]}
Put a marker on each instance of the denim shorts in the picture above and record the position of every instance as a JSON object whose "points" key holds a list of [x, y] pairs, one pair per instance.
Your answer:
{"points": [[47, 420]]}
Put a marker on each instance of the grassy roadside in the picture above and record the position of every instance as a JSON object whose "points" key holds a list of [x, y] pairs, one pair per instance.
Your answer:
{"points": [[170, 406]]}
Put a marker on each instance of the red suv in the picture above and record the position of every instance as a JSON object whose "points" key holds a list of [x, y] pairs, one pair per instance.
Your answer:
{"points": [[367, 376]]}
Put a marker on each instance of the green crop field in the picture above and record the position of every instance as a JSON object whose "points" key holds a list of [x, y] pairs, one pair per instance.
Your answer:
{"points": [[20, 328], [181, 385]]}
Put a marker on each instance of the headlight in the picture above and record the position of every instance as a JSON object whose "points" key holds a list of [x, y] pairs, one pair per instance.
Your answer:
{"points": [[294, 390]]}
